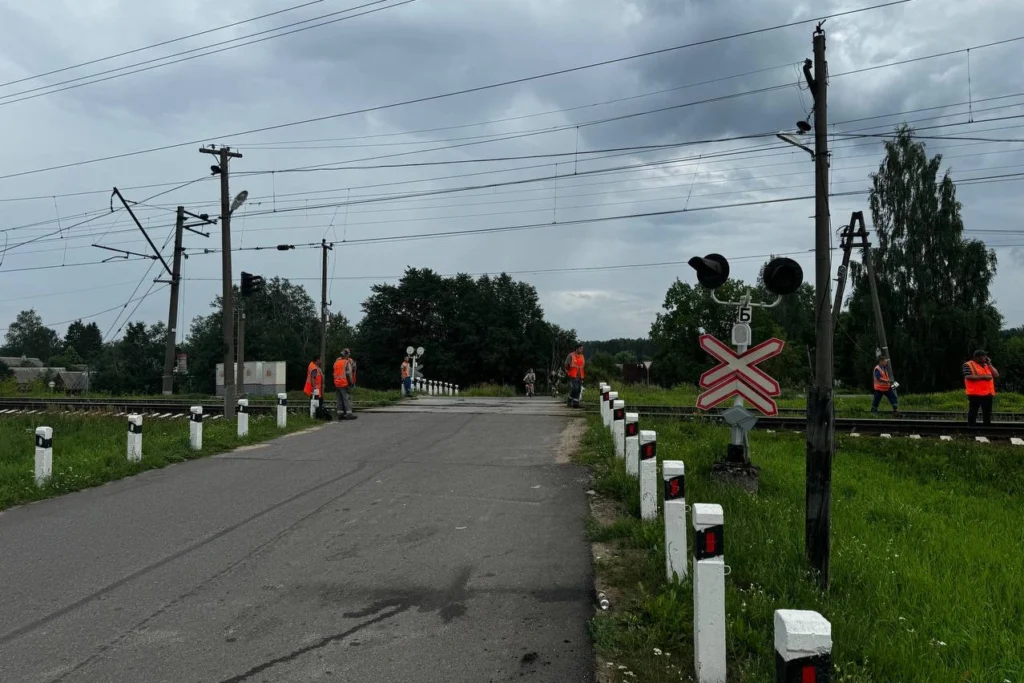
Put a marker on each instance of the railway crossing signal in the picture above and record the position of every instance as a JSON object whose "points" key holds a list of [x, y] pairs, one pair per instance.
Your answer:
{"points": [[251, 284], [737, 375]]}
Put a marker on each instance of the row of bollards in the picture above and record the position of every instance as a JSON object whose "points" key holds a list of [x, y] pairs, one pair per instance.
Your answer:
{"points": [[803, 639], [433, 388], [44, 435]]}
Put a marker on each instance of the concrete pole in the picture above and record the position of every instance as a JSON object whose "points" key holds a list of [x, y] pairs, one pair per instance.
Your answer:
{"points": [[648, 474], [282, 410], [134, 438], [243, 418], [44, 455], [820, 407], [709, 593], [803, 647], [172, 312], [619, 428], [195, 428], [632, 440], [673, 472]]}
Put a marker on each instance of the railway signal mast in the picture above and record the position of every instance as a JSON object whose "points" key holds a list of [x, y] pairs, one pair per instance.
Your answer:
{"points": [[736, 376]]}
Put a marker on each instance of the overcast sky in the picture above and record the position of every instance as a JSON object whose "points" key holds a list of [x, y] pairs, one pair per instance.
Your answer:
{"points": [[430, 47]]}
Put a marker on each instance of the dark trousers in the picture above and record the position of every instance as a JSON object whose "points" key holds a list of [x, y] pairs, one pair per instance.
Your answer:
{"points": [[344, 402], [575, 389], [976, 403], [890, 394]]}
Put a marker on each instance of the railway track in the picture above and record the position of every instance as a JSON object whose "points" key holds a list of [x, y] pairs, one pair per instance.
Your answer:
{"points": [[909, 425], [949, 416], [128, 405]]}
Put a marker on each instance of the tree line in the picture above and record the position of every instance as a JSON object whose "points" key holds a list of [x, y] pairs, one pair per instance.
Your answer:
{"points": [[474, 330], [933, 289]]}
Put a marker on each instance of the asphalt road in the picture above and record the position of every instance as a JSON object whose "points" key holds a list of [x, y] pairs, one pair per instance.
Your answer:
{"points": [[400, 547]]}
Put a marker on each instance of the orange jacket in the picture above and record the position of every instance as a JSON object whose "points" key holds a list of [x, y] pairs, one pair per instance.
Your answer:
{"points": [[314, 379], [340, 380], [576, 362], [979, 387], [882, 381]]}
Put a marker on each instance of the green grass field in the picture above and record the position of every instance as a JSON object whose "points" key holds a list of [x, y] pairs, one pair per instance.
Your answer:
{"points": [[927, 560], [846, 404], [88, 451], [490, 390]]}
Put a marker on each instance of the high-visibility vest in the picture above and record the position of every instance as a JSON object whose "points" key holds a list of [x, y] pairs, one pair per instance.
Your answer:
{"points": [[576, 362], [340, 381], [882, 384], [980, 387], [314, 380]]}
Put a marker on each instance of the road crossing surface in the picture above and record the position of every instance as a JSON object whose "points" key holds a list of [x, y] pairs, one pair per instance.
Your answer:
{"points": [[411, 545]]}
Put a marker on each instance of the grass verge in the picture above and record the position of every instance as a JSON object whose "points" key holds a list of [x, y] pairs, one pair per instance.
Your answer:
{"points": [[927, 555], [88, 451], [490, 390]]}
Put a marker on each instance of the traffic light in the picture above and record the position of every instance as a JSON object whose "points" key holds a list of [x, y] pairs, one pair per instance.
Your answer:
{"points": [[712, 270], [251, 284], [783, 276]]}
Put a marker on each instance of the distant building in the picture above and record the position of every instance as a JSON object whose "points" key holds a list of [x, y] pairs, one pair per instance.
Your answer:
{"points": [[22, 362], [27, 370]]}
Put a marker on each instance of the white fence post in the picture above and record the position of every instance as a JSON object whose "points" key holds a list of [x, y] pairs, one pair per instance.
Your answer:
{"points": [[674, 474], [605, 405], [632, 441], [708, 593], [282, 410], [648, 474], [602, 389], [134, 438], [314, 399], [243, 418], [803, 647], [44, 455], [619, 428], [195, 428], [456, 389], [613, 396]]}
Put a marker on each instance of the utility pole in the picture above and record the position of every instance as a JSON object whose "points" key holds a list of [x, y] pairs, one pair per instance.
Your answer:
{"points": [[820, 407], [225, 154], [324, 247], [240, 364], [172, 311]]}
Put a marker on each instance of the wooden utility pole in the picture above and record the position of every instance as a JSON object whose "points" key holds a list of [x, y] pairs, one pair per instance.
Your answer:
{"points": [[225, 154], [172, 311], [820, 407], [324, 247]]}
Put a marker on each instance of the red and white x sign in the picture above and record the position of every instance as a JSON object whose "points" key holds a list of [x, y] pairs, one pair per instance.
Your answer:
{"points": [[744, 366], [736, 375]]}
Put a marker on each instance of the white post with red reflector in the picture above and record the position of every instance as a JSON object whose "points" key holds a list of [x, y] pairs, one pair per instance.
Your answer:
{"points": [[44, 455], [195, 428], [243, 418], [673, 472], [632, 440], [648, 474], [134, 438], [619, 428], [709, 593], [613, 396], [282, 410], [803, 647], [605, 405]]}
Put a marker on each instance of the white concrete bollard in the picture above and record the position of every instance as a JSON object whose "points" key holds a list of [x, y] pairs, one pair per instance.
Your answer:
{"points": [[803, 647], [430, 388], [613, 396], [243, 418], [648, 474], [605, 406], [282, 410], [456, 389], [674, 474], [448, 388], [195, 428], [632, 444], [44, 455], [313, 402], [708, 593], [602, 389], [619, 428], [134, 438]]}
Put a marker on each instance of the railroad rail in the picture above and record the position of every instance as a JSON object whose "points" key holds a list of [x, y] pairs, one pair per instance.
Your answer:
{"points": [[1001, 431], [950, 416], [137, 405]]}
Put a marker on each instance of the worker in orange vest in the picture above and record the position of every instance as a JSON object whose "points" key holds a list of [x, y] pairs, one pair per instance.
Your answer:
{"points": [[344, 377], [884, 386], [574, 363], [980, 382], [315, 383]]}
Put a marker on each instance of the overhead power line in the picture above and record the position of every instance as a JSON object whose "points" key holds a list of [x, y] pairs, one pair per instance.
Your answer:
{"points": [[455, 93], [76, 82]]}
